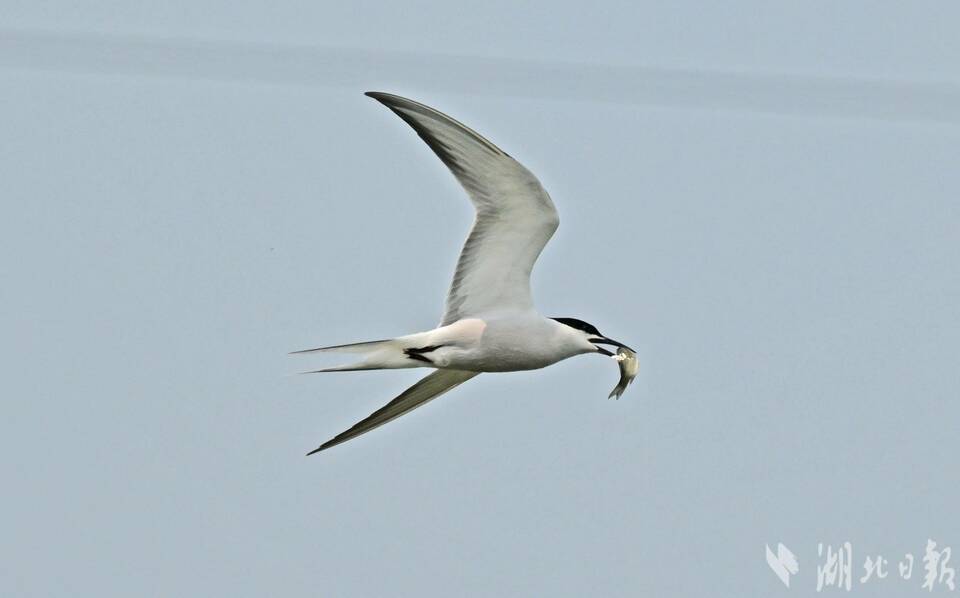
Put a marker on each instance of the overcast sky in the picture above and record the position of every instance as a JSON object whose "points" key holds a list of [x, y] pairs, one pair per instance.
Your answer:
{"points": [[761, 199]]}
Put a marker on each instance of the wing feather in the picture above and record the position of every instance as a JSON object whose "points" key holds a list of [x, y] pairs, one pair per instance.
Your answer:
{"points": [[515, 216], [419, 394]]}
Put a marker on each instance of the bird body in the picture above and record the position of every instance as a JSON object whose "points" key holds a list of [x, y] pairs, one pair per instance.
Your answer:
{"points": [[490, 323], [502, 343]]}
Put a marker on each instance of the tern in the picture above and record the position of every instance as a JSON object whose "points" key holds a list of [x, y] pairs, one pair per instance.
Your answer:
{"points": [[490, 323]]}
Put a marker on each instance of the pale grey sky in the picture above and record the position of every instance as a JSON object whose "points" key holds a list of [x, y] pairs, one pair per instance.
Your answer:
{"points": [[777, 234]]}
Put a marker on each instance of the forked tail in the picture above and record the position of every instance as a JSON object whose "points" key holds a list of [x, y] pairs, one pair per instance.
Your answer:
{"points": [[377, 355]]}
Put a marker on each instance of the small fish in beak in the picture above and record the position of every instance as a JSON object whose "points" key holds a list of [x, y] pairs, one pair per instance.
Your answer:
{"points": [[629, 366]]}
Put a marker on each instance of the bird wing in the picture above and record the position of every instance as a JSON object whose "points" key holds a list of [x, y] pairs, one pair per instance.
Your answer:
{"points": [[514, 214], [420, 393]]}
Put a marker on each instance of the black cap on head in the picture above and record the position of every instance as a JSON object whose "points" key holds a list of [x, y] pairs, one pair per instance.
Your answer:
{"points": [[579, 325], [592, 331]]}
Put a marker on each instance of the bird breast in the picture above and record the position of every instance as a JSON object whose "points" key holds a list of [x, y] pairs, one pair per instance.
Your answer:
{"points": [[504, 344]]}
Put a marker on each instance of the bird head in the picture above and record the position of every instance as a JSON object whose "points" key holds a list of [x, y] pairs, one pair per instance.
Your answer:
{"points": [[590, 333]]}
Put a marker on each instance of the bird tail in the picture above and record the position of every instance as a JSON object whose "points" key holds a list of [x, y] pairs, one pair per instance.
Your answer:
{"points": [[377, 355], [349, 348]]}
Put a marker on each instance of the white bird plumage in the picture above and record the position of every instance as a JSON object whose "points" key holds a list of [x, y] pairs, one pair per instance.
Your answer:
{"points": [[490, 323]]}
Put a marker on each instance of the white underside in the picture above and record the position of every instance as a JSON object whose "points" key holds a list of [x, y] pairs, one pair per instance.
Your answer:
{"points": [[500, 343]]}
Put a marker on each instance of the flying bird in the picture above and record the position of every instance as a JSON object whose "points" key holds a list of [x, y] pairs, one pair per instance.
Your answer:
{"points": [[490, 323]]}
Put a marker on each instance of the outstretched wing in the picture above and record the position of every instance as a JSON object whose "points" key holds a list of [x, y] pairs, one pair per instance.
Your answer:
{"points": [[425, 390], [515, 216]]}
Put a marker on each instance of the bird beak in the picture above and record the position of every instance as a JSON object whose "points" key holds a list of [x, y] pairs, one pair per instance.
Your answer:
{"points": [[603, 351], [608, 341]]}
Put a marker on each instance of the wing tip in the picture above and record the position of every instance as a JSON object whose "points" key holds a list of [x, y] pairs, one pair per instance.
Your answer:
{"points": [[425, 390], [402, 106], [339, 439], [381, 96], [399, 103]]}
